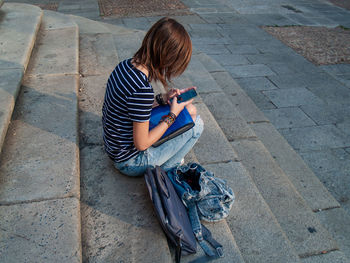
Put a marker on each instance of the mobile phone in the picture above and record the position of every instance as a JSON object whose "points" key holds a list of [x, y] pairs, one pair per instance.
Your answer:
{"points": [[186, 96]]}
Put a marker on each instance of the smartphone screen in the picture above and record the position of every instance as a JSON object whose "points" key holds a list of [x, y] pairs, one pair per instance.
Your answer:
{"points": [[186, 96]]}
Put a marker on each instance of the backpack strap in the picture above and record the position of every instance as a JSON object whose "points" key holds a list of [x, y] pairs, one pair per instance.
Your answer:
{"points": [[197, 230], [178, 250], [209, 238]]}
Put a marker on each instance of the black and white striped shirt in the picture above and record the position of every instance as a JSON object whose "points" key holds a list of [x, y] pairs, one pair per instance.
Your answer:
{"points": [[129, 97]]}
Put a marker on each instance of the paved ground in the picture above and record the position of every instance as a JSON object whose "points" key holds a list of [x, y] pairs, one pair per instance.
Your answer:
{"points": [[308, 104]]}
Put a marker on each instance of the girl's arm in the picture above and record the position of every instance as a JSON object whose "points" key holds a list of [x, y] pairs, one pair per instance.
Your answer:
{"points": [[144, 138]]}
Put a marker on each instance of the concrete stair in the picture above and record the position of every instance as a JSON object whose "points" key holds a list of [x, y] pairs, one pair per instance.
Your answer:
{"points": [[62, 199], [274, 166], [16, 45], [39, 165]]}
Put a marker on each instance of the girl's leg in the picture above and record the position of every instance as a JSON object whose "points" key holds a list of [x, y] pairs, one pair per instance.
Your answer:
{"points": [[170, 153]]}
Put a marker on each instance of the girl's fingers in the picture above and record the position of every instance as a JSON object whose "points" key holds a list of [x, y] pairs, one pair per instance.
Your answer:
{"points": [[187, 89], [187, 102]]}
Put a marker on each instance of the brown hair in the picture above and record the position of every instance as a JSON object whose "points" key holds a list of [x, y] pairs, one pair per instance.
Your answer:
{"points": [[165, 51]]}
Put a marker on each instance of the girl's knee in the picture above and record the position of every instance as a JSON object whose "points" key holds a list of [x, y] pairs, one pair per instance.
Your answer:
{"points": [[198, 127], [192, 110]]}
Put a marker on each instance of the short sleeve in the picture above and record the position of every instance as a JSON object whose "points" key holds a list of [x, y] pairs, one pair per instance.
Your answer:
{"points": [[140, 106]]}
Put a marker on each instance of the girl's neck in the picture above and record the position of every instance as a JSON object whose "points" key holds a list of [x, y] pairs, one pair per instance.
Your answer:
{"points": [[140, 67]]}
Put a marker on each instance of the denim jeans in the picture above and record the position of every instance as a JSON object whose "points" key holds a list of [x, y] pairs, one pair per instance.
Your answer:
{"points": [[167, 155]]}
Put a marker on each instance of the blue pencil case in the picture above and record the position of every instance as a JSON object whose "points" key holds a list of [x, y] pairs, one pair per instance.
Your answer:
{"points": [[182, 123]]}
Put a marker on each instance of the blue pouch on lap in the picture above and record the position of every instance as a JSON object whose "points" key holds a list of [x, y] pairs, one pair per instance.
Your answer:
{"points": [[182, 123]]}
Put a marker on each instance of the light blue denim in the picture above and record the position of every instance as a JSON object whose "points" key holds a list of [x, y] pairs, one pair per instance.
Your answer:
{"points": [[167, 155]]}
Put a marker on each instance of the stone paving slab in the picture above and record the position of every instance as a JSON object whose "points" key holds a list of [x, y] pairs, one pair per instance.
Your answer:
{"points": [[256, 83], [344, 79], [332, 93], [92, 91], [54, 20], [315, 138], [344, 126], [201, 40], [128, 44], [203, 81], [338, 69], [200, 77], [337, 221], [296, 62], [9, 87], [281, 68], [300, 19], [321, 84], [97, 54], [15, 50], [88, 26], [292, 97], [28, 172], [210, 49], [260, 100], [56, 52], [302, 177], [222, 233], [298, 80], [140, 23], [243, 49], [118, 220], [205, 32], [327, 113], [256, 70], [251, 220], [227, 116], [246, 107], [333, 256], [212, 140], [230, 60], [290, 117], [297, 220], [332, 167], [241, 27], [47, 231], [211, 65], [16, 45], [269, 19]]}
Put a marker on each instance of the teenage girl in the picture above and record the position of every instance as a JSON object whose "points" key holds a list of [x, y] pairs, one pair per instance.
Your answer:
{"points": [[165, 53]]}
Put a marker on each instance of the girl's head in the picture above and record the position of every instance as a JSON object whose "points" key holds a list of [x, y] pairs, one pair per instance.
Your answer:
{"points": [[166, 50]]}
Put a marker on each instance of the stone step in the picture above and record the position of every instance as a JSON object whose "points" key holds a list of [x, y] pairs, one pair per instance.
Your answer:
{"points": [[118, 221], [259, 162], [250, 217], [309, 186], [19, 24], [39, 165]]}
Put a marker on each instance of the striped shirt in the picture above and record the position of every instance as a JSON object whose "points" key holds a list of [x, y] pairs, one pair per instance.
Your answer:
{"points": [[129, 97]]}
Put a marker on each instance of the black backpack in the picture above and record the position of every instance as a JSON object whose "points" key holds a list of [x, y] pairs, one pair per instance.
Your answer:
{"points": [[171, 212]]}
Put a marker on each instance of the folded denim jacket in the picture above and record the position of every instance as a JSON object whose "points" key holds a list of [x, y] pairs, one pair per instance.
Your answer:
{"points": [[200, 188]]}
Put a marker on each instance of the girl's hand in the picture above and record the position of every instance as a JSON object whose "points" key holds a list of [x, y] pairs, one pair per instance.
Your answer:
{"points": [[176, 108], [172, 93], [176, 92]]}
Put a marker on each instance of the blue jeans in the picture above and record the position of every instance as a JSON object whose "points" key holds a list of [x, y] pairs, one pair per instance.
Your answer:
{"points": [[167, 155]]}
